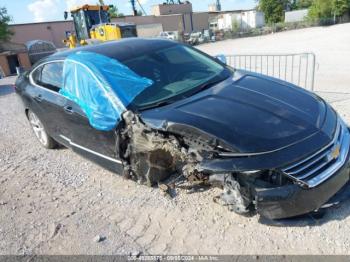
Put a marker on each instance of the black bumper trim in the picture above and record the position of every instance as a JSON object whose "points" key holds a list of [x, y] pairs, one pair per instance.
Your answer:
{"points": [[292, 200]]}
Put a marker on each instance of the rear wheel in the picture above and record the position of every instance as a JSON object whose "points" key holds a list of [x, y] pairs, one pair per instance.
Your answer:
{"points": [[40, 132]]}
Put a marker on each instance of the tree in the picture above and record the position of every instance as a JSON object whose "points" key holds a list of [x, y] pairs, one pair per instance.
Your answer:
{"points": [[328, 9], [113, 12], [5, 32], [302, 4], [320, 9], [273, 10], [340, 7]]}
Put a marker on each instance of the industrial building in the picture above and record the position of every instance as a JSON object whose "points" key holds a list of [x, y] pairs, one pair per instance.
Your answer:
{"points": [[241, 20], [164, 17], [295, 16], [12, 56]]}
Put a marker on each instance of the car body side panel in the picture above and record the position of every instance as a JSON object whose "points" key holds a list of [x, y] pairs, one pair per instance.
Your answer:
{"points": [[99, 146], [71, 129], [83, 133], [51, 113], [28, 93]]}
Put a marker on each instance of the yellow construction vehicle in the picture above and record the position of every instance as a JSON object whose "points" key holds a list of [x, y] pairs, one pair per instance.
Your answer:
{"points": [[92, 24]]}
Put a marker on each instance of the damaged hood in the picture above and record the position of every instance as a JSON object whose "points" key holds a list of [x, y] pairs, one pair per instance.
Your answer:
{"points": [[253, 114]]}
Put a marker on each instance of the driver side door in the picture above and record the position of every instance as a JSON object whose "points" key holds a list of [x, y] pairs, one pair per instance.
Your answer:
{"points": [[96, 145]]}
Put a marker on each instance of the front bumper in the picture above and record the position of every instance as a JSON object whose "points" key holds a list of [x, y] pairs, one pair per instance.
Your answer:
{"points": [[293, 200], [324, 177]]}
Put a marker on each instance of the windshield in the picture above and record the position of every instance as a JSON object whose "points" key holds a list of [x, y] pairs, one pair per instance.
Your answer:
{"points": [[96, 17], [80, 25], [177, 72]]}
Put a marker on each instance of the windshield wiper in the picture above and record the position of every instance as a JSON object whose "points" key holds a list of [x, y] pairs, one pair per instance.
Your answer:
{"points": [[159, 104], [206, 85], [200, 88]]}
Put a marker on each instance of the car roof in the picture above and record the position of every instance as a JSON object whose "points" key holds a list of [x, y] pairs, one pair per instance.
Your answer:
{"points": [[120, 50]]}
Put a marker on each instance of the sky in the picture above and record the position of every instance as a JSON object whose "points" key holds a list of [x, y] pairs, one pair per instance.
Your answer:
{"points": [[28, 11]]}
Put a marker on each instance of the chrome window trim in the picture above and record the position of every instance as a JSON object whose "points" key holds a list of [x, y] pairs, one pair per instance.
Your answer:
{"points": [[32, 82], [89, 150]]}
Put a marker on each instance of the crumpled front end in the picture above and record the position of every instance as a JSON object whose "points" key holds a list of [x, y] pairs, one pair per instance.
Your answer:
{"points": [[150, 156], [298, 188], [317, 178], [293, 200], [249, 183]]}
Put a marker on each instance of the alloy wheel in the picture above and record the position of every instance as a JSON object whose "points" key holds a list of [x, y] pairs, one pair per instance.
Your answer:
{"points": [[38, 128]]}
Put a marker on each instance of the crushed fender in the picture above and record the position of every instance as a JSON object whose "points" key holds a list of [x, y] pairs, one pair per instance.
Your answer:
{"points": [[151, 156]]}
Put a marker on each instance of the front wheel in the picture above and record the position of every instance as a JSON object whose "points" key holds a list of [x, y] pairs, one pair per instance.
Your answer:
{"points": [[40, 132]]}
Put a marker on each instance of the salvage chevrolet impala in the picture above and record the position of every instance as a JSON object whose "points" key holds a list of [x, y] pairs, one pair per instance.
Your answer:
{"points": [[149, 109]]}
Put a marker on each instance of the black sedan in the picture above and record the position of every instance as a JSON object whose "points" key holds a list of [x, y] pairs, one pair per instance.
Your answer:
{"points": [[272, 146]]}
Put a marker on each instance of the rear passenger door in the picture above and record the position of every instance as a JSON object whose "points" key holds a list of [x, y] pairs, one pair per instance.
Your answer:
{"points": [[46, 80]]}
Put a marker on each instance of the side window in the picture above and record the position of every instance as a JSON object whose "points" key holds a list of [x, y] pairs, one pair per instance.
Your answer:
{"points": [[49, 76], [36, 75]]}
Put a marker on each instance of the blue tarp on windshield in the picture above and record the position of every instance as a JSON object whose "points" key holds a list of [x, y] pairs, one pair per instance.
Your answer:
{"points": [[101, 86]]}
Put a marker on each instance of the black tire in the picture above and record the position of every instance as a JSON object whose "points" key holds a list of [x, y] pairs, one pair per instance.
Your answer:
{"points": [[40, 131]]}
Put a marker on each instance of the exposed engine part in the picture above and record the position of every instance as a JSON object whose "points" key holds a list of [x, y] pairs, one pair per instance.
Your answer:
{"points": [[232, 196], [151, 156]]}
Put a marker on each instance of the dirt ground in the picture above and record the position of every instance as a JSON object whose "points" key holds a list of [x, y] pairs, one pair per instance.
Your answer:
{"points": [[55, 202]]}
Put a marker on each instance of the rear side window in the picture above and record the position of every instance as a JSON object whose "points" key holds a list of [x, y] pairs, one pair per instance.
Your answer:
{"points": [[37, 74], [49, 76]]}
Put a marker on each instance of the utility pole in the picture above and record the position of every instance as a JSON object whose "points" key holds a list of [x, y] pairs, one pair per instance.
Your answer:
{"points": [[133, 6], [218, 5]]}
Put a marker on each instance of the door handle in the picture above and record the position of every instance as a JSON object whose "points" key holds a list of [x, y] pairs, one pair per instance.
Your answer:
{"points": [[68, 109], [38, 98]]}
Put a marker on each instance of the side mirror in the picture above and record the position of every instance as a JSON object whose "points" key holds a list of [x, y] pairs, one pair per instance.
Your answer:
{"points": [[221, 58], [65, 14]]}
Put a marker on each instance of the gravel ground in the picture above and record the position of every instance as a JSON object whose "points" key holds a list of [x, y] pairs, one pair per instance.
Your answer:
{"points": [[55, 202]]}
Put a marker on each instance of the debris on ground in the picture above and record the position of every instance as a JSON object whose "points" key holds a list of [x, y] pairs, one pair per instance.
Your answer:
{"points": [[99, 238]]}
